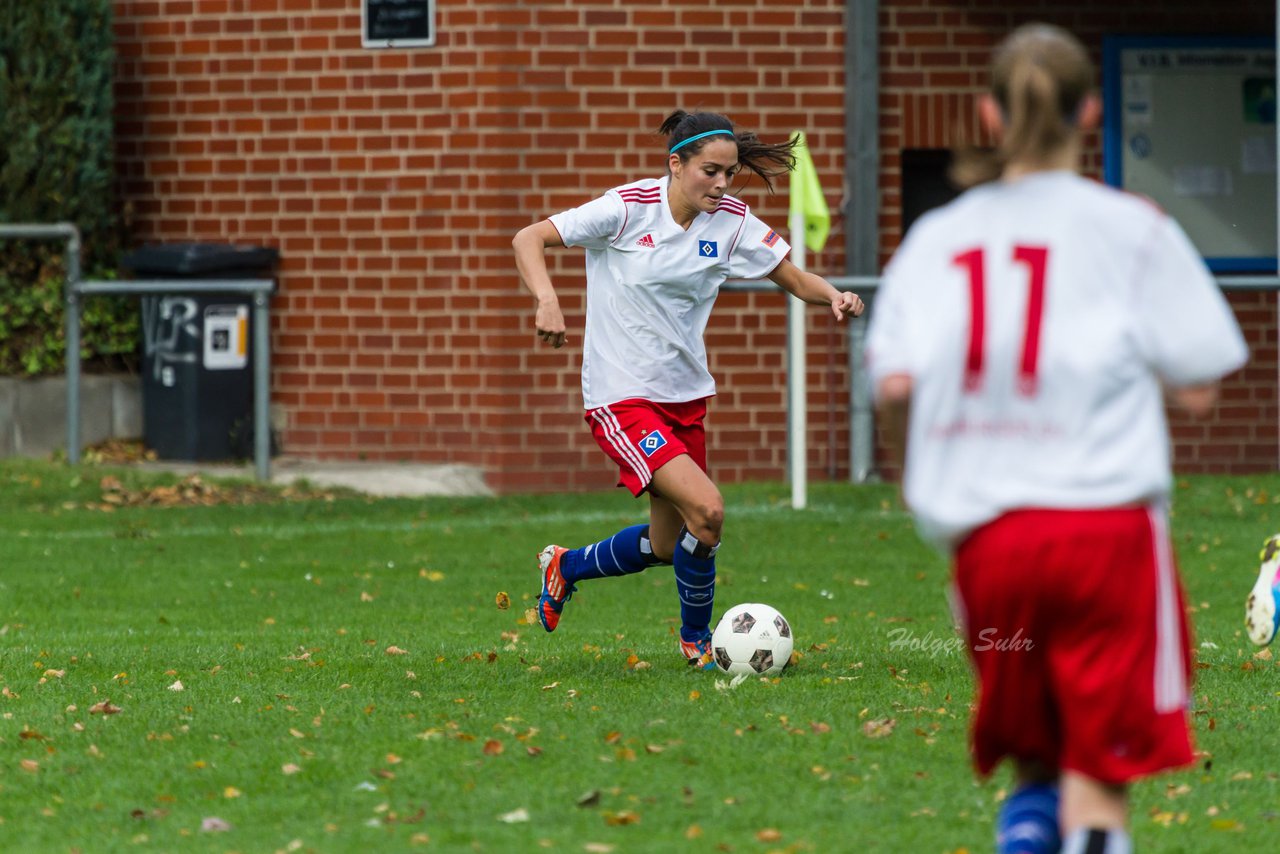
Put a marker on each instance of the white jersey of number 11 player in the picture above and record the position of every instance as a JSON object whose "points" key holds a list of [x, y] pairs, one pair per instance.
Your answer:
{"points": [[1039, 319]]}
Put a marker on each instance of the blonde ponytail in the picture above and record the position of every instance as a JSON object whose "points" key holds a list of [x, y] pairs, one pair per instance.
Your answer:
{"points": [[1040, 76]]}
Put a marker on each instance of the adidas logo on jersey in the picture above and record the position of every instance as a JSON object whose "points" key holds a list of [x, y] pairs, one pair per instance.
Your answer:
{"points": [[647, 242]]}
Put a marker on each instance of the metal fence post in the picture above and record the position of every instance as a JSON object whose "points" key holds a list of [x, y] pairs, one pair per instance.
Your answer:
{"points": [[72, 323], [261, 381]]}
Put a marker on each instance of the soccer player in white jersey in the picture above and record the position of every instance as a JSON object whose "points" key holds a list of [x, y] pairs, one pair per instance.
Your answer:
{"points": [[1024, 339], [657, 252]]}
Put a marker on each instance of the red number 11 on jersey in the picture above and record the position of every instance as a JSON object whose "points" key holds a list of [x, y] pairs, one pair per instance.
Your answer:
{"points": [[974, 262]]}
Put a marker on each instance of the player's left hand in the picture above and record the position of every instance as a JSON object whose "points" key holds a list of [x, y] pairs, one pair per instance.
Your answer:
{"points": [[847, 304]]}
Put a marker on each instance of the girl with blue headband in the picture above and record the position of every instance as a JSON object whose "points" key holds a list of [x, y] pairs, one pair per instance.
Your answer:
{"points": [[657, 252]]}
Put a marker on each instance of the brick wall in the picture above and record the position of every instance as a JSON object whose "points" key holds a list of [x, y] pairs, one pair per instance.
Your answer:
{"points": [[393, 180], [933, 56]]}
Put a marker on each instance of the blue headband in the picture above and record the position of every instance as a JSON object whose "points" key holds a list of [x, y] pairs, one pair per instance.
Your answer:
{"points": [[698, 136]]}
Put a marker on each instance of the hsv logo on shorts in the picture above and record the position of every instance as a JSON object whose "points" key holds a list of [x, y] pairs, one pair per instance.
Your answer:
{"points": [[651, 443], [707, 248]]}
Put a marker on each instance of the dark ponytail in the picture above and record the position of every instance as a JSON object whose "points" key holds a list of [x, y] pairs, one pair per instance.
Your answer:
{"points": [[768, 160]]}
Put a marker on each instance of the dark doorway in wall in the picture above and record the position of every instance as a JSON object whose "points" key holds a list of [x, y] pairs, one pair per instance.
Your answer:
{"points": [[924, 182]]}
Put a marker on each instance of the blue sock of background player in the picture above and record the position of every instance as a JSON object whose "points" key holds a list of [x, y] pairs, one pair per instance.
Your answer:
{"points": [[1028, 821]]}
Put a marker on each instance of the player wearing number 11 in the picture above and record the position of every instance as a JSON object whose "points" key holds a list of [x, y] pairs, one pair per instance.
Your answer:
{"points": [[1024, 339]]}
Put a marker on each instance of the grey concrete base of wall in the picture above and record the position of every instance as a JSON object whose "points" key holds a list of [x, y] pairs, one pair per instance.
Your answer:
{"points": [[33, 412]]}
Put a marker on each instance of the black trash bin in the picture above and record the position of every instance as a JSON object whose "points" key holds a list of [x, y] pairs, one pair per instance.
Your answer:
{"points": [[197, 363]]}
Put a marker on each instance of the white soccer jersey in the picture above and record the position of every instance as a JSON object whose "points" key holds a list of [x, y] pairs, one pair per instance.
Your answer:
{"points": [[651, 285], [1038, 319]]}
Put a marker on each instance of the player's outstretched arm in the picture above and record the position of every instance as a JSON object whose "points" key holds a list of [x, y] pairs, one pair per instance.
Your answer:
{"points": [[816, 290], [530, 244]]}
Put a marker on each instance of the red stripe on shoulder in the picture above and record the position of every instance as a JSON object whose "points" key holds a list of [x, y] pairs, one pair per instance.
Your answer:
{"points": [[641, 198], [732, 206]]}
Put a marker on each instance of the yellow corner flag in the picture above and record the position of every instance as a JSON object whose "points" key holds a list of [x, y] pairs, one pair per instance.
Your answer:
{"points": [[807, 200]]}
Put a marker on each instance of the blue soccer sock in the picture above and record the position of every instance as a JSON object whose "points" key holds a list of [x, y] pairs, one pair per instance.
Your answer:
{"points": [[695, 565], [626, 552], [1028, 821]]}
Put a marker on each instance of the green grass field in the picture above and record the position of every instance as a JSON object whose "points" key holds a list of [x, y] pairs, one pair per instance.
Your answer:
{"points": [[335, 673]]}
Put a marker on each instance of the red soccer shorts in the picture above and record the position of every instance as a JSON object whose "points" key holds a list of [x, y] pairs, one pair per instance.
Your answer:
{"points": [[642, 436], [1075, 624]]}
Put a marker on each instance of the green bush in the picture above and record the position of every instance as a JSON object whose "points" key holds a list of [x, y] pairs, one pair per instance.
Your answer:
{"points": [[56, 165]]}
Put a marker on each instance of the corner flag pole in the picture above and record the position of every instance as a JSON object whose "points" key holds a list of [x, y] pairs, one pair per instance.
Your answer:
{"points": [[809, 221], [797, 423]]}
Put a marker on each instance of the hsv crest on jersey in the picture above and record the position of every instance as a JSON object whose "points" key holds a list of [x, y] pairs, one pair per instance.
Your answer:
{"points": [[770, 239], [647, 242], [707, 248], [651, 443]]}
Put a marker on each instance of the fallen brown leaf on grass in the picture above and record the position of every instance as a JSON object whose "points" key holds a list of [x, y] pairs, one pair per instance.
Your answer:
{"points": [[104, 708], [588, 799], [768, 834], [879, 728], [493, 747], [623, 817], [395, 650], [195, 491], [503, 601]]}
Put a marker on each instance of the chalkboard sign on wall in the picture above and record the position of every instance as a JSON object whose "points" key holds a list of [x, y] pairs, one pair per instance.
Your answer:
{"points": [[398, 23]]}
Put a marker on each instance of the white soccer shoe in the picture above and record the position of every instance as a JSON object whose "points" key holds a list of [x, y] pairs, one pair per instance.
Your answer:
{"points": [[1262, 610]]}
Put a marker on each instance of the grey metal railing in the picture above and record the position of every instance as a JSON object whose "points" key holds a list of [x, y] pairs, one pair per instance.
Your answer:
{"points": [[259, 289]]}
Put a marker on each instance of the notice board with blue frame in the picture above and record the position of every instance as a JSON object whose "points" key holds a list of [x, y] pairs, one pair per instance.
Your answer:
{"points": [[1190, 121]]}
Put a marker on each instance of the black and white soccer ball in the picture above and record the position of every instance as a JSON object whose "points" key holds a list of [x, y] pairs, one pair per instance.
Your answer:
{"points": [[753, 640]]}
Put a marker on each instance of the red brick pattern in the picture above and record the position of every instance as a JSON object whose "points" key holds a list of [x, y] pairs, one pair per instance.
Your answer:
{"points": [[393, 180], [933, 56]]}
